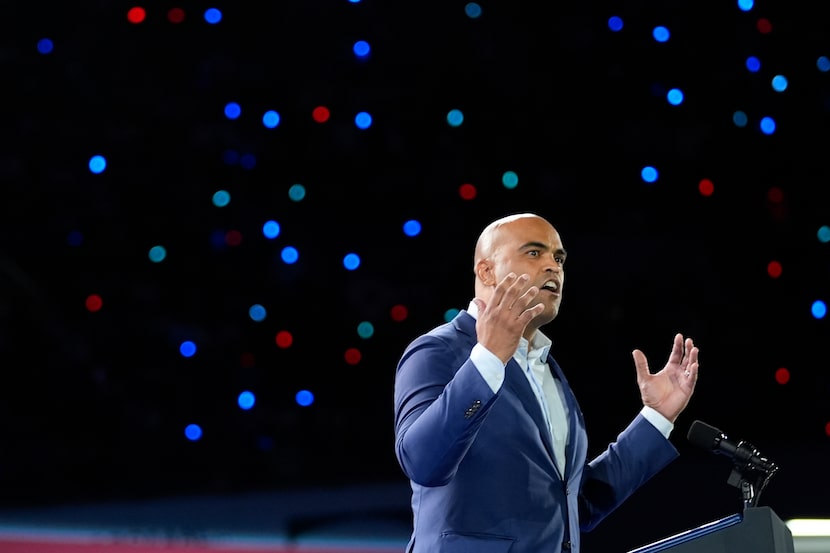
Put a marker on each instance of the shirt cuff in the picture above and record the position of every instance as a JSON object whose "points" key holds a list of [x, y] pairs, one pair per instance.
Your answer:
{"points": [[660, 422], [489, 366]]}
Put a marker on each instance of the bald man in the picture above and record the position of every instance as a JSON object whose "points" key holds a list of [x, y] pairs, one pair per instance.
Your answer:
{"points": [[487, 428]]}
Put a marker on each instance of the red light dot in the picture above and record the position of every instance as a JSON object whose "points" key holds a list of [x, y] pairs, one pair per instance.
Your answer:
{"points": [[284, 339], [467, 191], [321, 114], [764, 25], [136, 15], [827, 428], [233, 238], [706, 187], [775, 195], [175, 15], [399, 313], [94, 303], [782, 375], [352, 356], [247, 360], [774, 269]]}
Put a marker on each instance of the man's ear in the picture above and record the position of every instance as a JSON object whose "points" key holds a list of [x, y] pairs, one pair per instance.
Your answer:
{"points": [[484, 272]]}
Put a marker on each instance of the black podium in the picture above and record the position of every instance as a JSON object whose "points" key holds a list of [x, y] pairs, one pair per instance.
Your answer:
{"points": [[755, 530]]}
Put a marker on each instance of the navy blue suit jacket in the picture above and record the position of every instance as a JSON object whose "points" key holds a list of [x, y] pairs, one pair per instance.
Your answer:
{"points": [[481, 464]]}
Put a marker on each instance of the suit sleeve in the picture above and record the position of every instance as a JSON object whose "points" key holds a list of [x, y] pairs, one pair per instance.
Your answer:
{"points": [[441, 400], [639, 453]]}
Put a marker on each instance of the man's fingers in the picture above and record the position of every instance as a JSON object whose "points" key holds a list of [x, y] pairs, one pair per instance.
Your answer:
{"points": [[640, 363]]}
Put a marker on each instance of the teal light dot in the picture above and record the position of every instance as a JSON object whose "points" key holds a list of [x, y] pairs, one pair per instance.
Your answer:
{"points": [[157, 254], [296, 192], [455, 117], [365, 329], [510, 179], [824, 234], [450, 314], [221, 198]]}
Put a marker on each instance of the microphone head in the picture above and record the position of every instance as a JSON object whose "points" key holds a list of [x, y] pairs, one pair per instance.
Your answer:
{"points": [[703, 435]]}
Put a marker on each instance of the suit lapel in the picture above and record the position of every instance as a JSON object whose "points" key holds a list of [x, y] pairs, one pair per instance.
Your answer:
{"points": [[516, 381]]}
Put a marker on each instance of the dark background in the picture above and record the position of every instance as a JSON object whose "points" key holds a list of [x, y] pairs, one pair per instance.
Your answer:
{"points": [[93, 405]]}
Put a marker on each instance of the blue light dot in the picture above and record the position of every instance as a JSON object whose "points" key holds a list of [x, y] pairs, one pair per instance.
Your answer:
{"points": [[361, 48], [779, 83], [271, 119], [221, 198], [296, 193], [351, 261], [157, 254], [247, 161], [823, 64], [45, 46], [271, 229], [473, 10], [753, 64], [649, 174], [187, 348], [289, 255], [232, 110], [230, 157], [213, 16], [412, 227], [193, 432], [365, 329], [510, 179], [304, 398], [455, 117], [675, 96], [819, 309], [660, 33], [245, 400], [97, 164], [450, 314], [257, 312], [767, 125], [363, 120], [739, 118], [615, 23], [75, 238], [745, 5], [824, 234]]}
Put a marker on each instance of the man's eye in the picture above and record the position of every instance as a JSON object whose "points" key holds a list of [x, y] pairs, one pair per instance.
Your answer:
{"points": [[534, 253]]}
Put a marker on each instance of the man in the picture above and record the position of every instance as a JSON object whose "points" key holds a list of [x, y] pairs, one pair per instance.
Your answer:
{"points": [[487, 428]]}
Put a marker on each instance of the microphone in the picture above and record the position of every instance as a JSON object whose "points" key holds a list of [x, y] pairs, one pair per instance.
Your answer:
{"points": [[743, 454]]}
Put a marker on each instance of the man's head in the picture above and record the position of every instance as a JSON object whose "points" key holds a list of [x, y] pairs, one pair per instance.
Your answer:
{"points": [[524, 243]]}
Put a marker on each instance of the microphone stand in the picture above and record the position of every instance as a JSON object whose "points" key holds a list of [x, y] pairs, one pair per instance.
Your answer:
{"points": [[750, 478]]}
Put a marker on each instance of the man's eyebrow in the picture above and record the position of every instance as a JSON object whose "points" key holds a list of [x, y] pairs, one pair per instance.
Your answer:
{"points": [[541, 246]]}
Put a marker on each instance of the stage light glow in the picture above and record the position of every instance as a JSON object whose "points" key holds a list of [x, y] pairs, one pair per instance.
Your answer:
{"points": [[230, 157], [764, 26], [767, 125], [271, 119], [75, 238], [289, 255], [510, 179], [782, 376], [296, 192], [213, 16], [271, 229], [246, 400], [247, 161], [473, 10], [467, 191], [455, 117], [675, 96], [775, 195], [257, 313], [361, 49], [233, 110], [187, 348], [819, 309], [739, 118], [774, 269], [304, 398], [823, 234], [233, 238], [193, 432], [823, 64], [97, 164], [363, 120], [745, 5], [320, 114], [412, 227], [706, 187], [157, 254], [284, 339], [136, 14], [399, 313], [779, 83], [661, 33], [351, 261], [450, 314], [365, 329], [753, 64], [649, 174], [45, 46], [221, 198], [352, 356], [175, 15], [615, 23], [94, 303]]}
